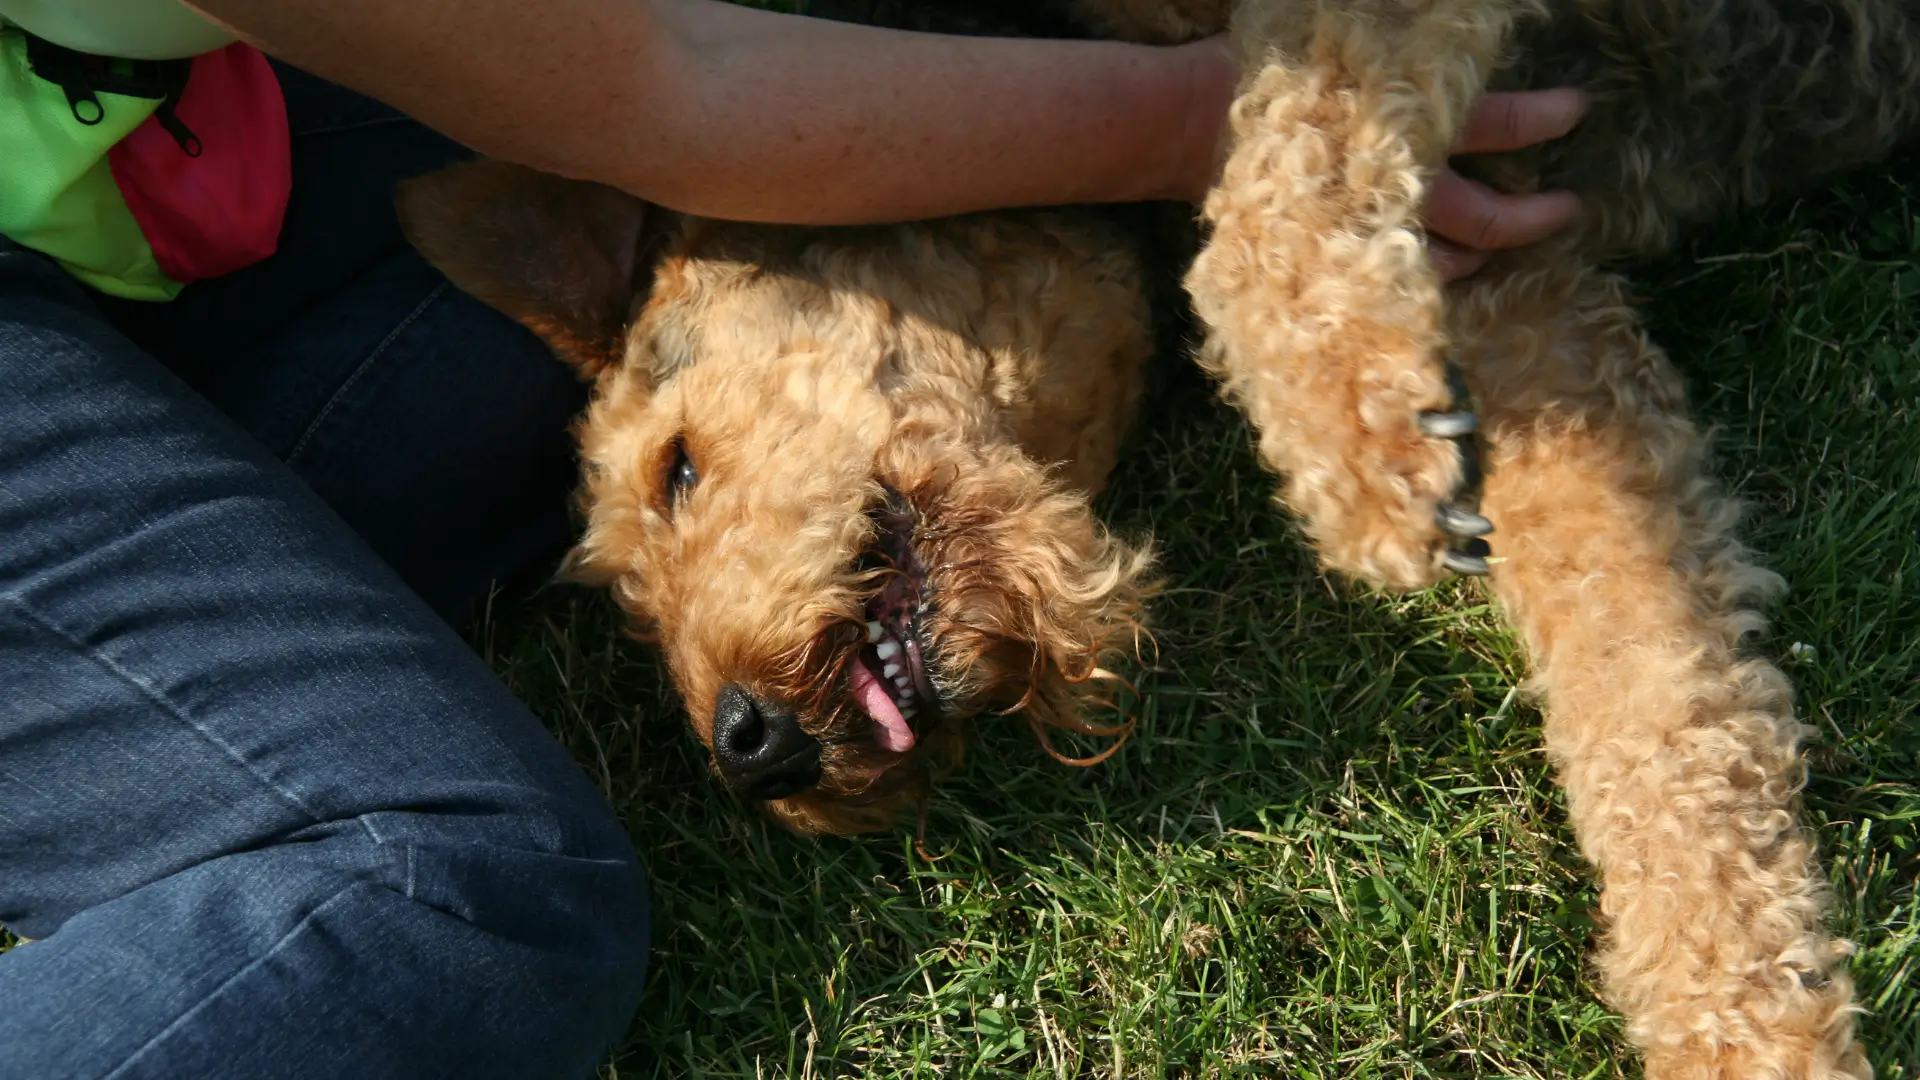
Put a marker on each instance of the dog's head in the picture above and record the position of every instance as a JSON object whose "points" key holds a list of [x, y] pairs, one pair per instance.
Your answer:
{"points": [[795, 484]]}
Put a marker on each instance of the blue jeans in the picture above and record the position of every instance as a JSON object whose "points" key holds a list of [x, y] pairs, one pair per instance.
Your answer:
{"points": [[263, 811]]}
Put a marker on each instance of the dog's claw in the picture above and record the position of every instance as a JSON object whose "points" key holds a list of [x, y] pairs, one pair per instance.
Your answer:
{"points": [[1460, 521], [1459, 517], [1449, 425], [1469, 559], [1464, 564]]}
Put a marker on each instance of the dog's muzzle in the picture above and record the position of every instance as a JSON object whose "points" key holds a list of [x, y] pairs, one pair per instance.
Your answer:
{"points": [[760, 749]]}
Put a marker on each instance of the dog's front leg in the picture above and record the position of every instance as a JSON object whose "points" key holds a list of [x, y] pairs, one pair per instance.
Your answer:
{"points": [[1680, 756], [1323, 313]]}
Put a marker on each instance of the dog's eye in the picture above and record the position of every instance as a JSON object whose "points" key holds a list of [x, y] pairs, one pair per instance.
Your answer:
{"points": [[681, 475]]}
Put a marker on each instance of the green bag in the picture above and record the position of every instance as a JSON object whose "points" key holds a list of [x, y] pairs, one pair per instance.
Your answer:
{"points": [[57, 191]]}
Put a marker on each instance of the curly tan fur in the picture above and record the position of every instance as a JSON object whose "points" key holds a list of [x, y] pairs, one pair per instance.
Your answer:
{"points": [[1323, 310], [1679, 754]]}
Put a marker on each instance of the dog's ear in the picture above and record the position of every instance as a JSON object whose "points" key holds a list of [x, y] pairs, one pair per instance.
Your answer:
{"points": [[562, 257]]}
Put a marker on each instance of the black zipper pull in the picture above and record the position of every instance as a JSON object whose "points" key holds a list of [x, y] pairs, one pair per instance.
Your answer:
{"points": [[65, 69], [183, 135], [173, 76], [80, 97]]}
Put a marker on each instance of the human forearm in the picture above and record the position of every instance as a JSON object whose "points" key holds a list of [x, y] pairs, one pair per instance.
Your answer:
{"points": [[921, 125], [730, 112]]}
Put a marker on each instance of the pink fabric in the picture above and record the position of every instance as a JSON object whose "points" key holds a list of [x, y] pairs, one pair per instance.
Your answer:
{"points": [[213, 214]]}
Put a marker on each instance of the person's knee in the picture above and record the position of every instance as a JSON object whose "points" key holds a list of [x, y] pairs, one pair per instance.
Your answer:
{"points": [[561, 873], [564, 940], [584, 919], [564, 916]]}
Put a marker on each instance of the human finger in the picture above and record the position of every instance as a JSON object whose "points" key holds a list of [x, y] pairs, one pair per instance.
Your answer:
{"points": [[1475, 216], [1512, 121], [1454, 262]]}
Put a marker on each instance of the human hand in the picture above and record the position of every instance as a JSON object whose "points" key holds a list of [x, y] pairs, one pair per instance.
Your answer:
{"points": [[1468, 221]]}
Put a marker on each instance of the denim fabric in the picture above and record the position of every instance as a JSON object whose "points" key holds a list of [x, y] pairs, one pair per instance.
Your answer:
{"points": [[264, 812]]}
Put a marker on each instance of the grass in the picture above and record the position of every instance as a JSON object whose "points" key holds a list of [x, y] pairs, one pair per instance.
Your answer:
{"points": [[1333, 849]]}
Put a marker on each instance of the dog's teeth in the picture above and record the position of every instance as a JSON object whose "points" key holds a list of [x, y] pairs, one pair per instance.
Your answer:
{"points": [[909, 711], [906, 693], [888, 649], [875, 632], [890, 670], [901, 681]]}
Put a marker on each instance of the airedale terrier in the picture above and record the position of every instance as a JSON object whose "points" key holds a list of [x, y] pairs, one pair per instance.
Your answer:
{"points": [[843, 475]]}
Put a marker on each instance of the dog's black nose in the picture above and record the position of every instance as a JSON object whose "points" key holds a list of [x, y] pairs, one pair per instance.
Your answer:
{"points": [[760, 749]]}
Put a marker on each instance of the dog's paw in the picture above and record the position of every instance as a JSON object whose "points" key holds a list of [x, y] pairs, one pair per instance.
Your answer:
{"points": [[1396, 499], [1463, 529]]}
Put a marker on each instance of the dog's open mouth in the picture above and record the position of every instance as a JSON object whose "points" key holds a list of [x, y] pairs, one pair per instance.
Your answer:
{"points": [[889, 675]]}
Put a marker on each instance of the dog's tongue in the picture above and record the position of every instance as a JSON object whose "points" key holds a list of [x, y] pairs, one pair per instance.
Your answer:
{"points": [[890, 729]]}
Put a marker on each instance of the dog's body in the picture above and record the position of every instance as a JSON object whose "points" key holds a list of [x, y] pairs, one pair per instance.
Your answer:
{"points": [[843, 474]]}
